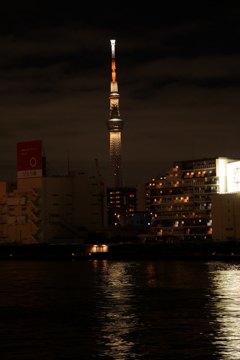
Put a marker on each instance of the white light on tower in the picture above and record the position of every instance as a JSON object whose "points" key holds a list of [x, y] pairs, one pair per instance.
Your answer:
{"points": [[115, 125]]}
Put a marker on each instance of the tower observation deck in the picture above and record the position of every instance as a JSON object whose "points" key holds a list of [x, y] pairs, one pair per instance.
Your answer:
{"points": [[115, 125]]}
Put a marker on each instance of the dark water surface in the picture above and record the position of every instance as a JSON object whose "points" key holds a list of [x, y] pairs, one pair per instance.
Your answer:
{"points": [[119, 310]]}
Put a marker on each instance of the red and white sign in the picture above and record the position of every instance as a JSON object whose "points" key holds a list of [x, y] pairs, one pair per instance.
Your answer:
{"points": [[233, 176], [29, 159]]}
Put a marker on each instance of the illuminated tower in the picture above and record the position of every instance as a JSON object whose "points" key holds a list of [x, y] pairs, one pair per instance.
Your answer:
{"points": [[115, 125]]}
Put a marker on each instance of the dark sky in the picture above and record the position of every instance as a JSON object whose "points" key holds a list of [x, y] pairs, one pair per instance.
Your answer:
{"points": [[178, 69]]}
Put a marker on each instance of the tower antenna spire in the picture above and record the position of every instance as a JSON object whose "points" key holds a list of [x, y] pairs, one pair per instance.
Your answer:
{"points": [[113, 43], [115, 125]]}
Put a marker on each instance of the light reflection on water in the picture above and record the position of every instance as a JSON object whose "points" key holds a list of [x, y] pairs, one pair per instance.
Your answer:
{"points": [[225, 306], [194, 314], [118, 317], [119, 310]]}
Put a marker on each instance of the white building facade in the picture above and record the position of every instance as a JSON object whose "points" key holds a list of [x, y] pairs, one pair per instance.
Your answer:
{"points": [[44, 209]]}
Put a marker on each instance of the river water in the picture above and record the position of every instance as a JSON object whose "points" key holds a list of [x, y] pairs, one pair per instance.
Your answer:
{"points": [[119, 310]]}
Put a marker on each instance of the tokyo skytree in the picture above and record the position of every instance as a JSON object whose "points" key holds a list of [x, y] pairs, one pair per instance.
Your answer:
{"points": [[115, 125]]}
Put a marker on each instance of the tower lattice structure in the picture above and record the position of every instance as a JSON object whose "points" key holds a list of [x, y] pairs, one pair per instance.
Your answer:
{"points": [[115, 125]]}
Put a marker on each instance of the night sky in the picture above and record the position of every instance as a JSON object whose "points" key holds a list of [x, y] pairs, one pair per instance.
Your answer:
{"points": [[178, 70]]}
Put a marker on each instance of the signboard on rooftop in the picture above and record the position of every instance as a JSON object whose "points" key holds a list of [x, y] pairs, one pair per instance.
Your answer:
{"points": [[233, 176], [29, 159]]}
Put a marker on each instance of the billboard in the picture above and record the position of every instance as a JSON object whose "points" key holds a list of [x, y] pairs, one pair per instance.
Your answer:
{"points": [[233, 176], [29, 159]]}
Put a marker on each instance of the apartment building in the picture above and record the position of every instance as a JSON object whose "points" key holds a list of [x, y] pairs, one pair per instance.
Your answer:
{"points": [[181, 201]]}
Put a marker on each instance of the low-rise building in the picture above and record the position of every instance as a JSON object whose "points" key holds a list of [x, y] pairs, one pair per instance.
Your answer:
{"points": [[43, 209]]}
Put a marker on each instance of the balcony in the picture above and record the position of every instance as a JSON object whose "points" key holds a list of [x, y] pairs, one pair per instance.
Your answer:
{"points": [[212, 190], [167, 232], [204, 166], [196, 231], [200, 182], [186, 191], [187, 183], [211, 174], [178, 231], [34, 216], [187, 167], [34, 225], [34, 206], [211, 182]]}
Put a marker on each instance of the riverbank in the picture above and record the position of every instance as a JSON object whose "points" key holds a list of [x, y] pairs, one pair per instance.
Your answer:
{"points": [[205, 250]]}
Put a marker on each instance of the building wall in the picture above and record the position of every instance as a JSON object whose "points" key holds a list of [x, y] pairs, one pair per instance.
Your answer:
{"points": [[225, 216], [140, 218], [57, 211], [91, 211], [142, 197], [47, 208]]}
